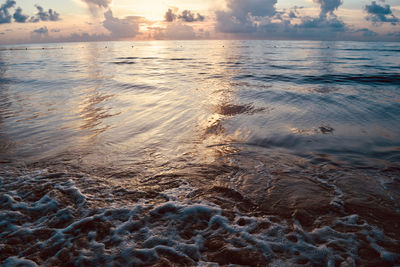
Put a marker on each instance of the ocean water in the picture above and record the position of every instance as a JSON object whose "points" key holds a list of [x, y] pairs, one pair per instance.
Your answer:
{"points": [[200, 153]]}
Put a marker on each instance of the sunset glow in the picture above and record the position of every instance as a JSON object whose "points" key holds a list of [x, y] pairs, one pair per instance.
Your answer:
{"points": [[85, 20]]}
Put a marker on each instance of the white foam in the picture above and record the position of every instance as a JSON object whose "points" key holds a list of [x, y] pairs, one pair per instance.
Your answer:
{"points": [[177, 229], [18, 262]]}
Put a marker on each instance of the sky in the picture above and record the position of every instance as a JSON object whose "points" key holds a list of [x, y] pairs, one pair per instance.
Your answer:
{"points": [[37, 21]]}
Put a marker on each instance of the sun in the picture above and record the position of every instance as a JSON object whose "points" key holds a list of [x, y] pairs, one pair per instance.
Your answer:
{"points": [[150, 9]]}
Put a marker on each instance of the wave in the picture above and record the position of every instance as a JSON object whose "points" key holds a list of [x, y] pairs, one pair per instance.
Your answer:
{"points": [[49, 220], [380, 78], [124, 62]]}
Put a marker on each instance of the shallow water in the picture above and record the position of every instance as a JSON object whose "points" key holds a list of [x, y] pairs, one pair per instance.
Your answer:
{"points": [[200, 153]]}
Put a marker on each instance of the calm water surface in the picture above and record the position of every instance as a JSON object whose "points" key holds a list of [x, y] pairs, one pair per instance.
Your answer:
{"points": [[201, 153]]}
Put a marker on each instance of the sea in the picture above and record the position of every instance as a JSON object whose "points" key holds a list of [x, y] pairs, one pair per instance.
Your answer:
{"points": [[200, 153]]}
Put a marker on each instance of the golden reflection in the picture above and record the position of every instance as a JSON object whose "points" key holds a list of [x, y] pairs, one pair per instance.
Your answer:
{"points": [[91, 107], [214, 140], [91, 114]]}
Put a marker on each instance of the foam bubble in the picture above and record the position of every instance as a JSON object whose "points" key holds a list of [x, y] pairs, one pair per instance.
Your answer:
{"points": [[16, 262], [60, 224]]}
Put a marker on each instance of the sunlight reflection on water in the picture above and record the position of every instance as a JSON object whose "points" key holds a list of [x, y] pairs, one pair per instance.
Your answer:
{"points": [[201, 152], [121, 103]]}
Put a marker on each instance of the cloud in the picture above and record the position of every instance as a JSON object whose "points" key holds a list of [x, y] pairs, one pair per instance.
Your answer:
{"points": [[121, 28], [257, 8], [174, 31], [367, 32], [188, 16], [380, 14], [320, 28], [95, 6], [241, 16], [43, 31], [327, 20], [19, 17], [98, 3], [83, 37], [326, 26], [294, 12], [227, 23], [40, 36], [261, 19], [43, 15], [169, 15], [328, 6], [5, 16], [185, 16], [118, 29]]}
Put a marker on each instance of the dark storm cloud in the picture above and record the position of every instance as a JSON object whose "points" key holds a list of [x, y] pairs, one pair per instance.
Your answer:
{"points": [[19, 17], [185, 16], [43, 15], [5, 16], [379, 14]]}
